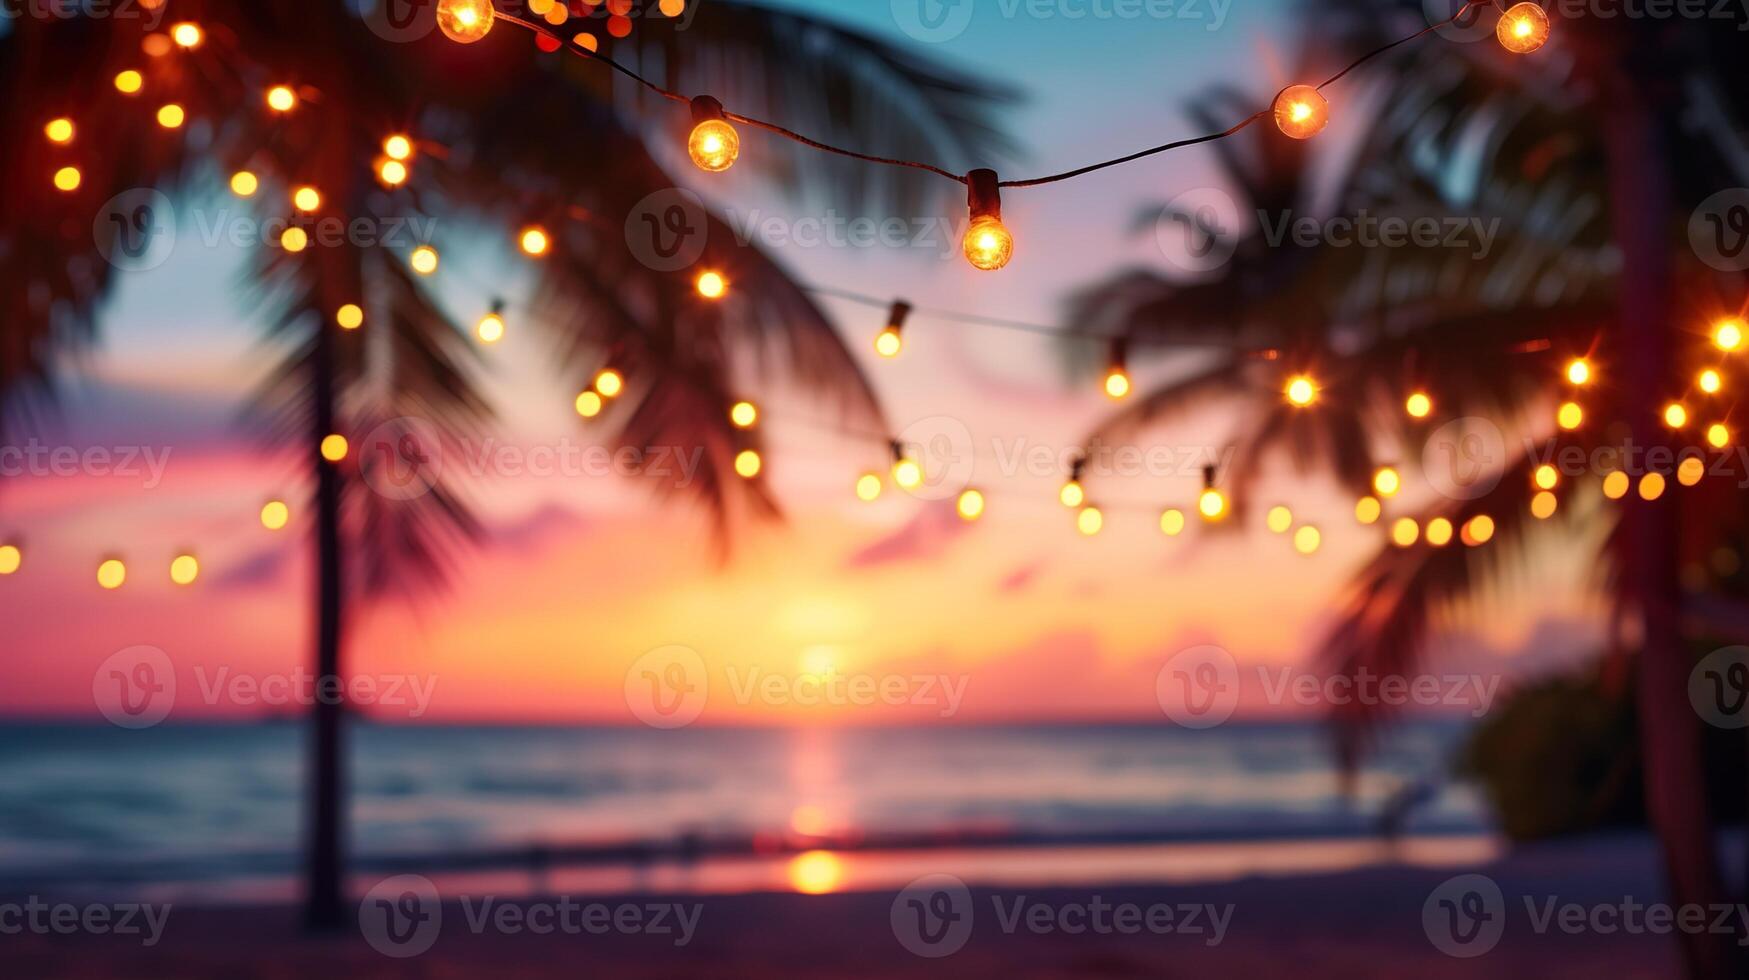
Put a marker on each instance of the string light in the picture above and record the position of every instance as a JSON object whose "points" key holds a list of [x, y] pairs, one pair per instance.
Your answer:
{"points": [[907, 472], [1439, 532], [465, 21], [1212, 504], [868, 487], [1651, 486], [748, 464], [609, 382], [1367, 510], [491, 327], [1089, 521], [281, 98], [988, 244], [1478, 530], [1542, 506], [275, 515], [1718, 435], [1570, 416], [1615, 485], [534, 241], [1307, 539], [744, 415], [392, 173], [129, 82], [711, 285], [11, 558], [1546, 477], [714, 144], [244, 184], [1072, 494], [306, 199], [1172, 522], [398, 147], [1728, 335], [892, 340], [350, 316], [1690, 471], [171, 116], [187, 35], [1578, 371], [1300, 391], [589, 404], [294, 240], [1418, 405], [1675, 415], [67, 179], [1405, 532], [424, 260], [1279, 519], [112, 573], [184, 569], [1301, 111], [970, 505], [1387, 481], [1523, 29], [334, 447], [1709, 381], [59, 130], [1117, 375]]}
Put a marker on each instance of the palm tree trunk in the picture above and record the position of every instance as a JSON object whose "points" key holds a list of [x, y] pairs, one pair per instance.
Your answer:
{"points": [[1642, 202], [324, 907]]}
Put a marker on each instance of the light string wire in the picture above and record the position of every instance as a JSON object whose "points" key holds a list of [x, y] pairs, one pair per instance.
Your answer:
{"points": [[580, 51]]}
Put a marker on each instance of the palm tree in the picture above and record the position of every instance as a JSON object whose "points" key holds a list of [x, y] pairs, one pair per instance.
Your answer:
{"points": [[1591, 155], [507, 137]]}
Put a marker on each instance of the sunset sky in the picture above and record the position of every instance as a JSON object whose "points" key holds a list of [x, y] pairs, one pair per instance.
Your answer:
{"points": [[586, 573]]}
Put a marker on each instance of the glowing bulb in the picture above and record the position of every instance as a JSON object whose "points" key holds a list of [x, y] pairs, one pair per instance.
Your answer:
{"points": [[714, 145], [1690, 471], [244, 184], [129, 82], [334, 447], [1578, 371], [534, 241], [1546, 477], [1307, 539], [1570, 416], [112, 573], [490, 329], [275, 515], [11, 557], [748, 464], [712, 285], [970, 505], [1718, 435], [1418, 405], [1710, 382], [306, 199], [1172, 522], [1387, 482], [988, 244], [281, 98], [187, 34], [465, 21], [1651, 486], [294, 240], [589, 404], [1367, 510], [889, 342], [171, 116], [908, 474], [1072, 495], [59, 130], [1675, 415], [1523, 29], [744, 415], [815, 872], [1279, 519], [184, 569], [67, 179], [1439, 532], [868, 486], [1478, 531], [1405, 532], [424, 260], [1212, 505], [1089, 521], [1301, 391], [1615, 485], [350, 316], [1543, 505], [609, 382], [393, 173], [1728, 335], [398, 147], [1117, 384], [1301, 112]]}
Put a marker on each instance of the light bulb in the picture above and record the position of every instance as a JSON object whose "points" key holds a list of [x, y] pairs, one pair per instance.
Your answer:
{"points": [[67, 179], [1578, 371], [1691, 471], [490, 329], [275, 515], [244, 183], [112, 573], [1387, 481], [889, 343], [171, 116], [1710, 381], [908, 473], [1172, 522], [987, 245], [350, 316], [306, 199], [534, 241], [1301, 112], [1675, 415], [59, 130], [294, 240], [1523, 29], [748, 464], [1546, 477], [1090, 521], [1117, 384], [184, 569], [11, 557], [1651, 486], [1072, 495], [1367, 510], [129, 82], [1718, 435], [334, 447], [1570, 416], [970, 505], [424, 260], [1615, 485], [868, 486], [465, 21], [187, 34], [610, 383], [1405, 532], [1478, 531], [1728, 335], [744, 415], [1307, 539], [1279, 519], [1418, 405], [589, 404], [398, 147], [281, 98], [1439, 532], [712, 285], [393, 173], [1212, 505], [1300, 391]]}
